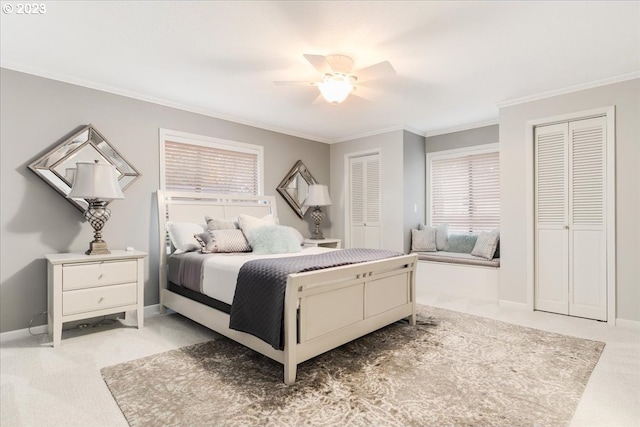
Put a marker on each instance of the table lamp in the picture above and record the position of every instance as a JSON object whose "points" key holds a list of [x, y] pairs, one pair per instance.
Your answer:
{"points": [[97, 183], [318, 196]]}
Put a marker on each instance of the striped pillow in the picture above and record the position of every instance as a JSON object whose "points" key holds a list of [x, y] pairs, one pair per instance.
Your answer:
{"points": [[219, 241]]}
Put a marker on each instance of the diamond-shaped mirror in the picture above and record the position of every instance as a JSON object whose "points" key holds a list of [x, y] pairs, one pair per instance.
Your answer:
{"points": [[58, 166], [294, 188]]}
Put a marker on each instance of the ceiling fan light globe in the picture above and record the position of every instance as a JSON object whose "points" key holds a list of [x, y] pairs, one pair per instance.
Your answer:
{"points": [[336, 89]]}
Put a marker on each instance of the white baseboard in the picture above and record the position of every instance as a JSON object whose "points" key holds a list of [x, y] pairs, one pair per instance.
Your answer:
{"points": [[631, 324], [149, 311], [513, 304], [21, 333]]}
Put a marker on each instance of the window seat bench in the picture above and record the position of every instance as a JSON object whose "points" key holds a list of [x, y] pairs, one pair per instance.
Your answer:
{"points": [[457, 273]]}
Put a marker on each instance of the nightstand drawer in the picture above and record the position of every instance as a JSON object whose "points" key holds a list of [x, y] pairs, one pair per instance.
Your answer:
{"points": [[84, 300], [81, 276]]}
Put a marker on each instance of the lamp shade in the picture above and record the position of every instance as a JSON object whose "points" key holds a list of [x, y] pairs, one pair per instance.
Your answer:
{"points": [[94, 180], [318, 196]]}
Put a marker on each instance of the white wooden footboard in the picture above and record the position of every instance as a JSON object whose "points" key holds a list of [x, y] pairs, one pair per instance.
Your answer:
{"points": [[337, 305]]}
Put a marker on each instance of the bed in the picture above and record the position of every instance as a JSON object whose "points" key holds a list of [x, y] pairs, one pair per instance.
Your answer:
{"points": [[323, 309]]}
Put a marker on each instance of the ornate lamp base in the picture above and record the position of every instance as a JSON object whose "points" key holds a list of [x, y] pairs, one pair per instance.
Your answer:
{"points": [[97, 215], [98, 248], [317, 216]]}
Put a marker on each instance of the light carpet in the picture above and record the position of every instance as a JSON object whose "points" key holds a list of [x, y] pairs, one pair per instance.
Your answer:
{"points": [[452, 369]]}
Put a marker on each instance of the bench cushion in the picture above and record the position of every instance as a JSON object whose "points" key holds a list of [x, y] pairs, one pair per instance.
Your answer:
{"points": [[457, 258]]}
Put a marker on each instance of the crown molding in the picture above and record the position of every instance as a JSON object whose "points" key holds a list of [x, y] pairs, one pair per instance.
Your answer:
{"points": [[367, 134], [378, 132], [157, 101], [414, 130], [569, 89], [461, 128]]}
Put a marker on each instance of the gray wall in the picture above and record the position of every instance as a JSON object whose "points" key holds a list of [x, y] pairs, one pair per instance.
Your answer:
{"points": [[391, 179], [513, 205], [462, 139], [38, 113], [414, 171]]}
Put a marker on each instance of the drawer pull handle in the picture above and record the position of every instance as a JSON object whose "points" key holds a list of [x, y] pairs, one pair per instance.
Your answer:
{"points": [[100, 300], [101, 276]]}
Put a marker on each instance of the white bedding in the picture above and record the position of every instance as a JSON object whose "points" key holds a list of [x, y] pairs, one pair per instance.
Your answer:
{"points": [[221, 271]]}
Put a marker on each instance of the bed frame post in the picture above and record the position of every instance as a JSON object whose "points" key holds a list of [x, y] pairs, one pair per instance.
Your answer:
{"points": [[290, 333], [412, 296], [162, 273]]}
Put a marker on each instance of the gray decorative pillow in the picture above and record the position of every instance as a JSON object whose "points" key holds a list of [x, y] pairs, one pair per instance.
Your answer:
{"points": [[220, 223], [423, 240], [273, 239], [228, 240], [442, 235], [486, 244]]}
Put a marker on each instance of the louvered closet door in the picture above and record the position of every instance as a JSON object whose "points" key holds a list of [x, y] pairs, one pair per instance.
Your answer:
{"points": [[365, 202], [587, 231], [552, 219], [571, 257]]}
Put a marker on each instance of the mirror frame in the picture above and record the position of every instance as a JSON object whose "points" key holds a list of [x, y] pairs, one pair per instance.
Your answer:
{"points": [[298, 170], [85, 145]]}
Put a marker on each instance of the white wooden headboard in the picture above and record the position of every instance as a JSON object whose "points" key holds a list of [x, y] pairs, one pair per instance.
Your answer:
{"points": [[193, 207]]}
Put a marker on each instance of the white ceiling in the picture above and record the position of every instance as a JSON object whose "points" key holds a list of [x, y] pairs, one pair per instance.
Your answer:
{"points": [[455, 61]]}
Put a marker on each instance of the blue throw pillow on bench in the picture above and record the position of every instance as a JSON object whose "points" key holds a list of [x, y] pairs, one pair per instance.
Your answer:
{"points": [[462, 243]]}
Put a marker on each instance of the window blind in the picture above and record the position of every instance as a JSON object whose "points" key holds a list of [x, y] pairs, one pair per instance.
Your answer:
{"points": [[465, 191], [208, 169]]}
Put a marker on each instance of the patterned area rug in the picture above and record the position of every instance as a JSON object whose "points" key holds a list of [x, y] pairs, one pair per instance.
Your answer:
{"points": [[452, 369]]}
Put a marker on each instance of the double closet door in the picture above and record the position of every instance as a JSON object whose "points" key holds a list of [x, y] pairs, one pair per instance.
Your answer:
{"points": [[570, 218], [364, 205]]}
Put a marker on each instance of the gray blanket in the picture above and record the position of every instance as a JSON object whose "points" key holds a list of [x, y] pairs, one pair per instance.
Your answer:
{"points": [[258, 303]]}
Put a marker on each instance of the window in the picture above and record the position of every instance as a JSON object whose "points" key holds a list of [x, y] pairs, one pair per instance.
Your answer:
{"points": [[463, 188], [203, 164]]}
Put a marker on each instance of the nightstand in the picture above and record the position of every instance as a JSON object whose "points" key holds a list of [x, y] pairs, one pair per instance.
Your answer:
{"points": [[82, 286], [325, 243]]}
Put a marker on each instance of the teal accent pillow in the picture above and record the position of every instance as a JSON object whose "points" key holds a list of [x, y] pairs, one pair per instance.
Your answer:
{"points": [[462, 242], [273, 239]]}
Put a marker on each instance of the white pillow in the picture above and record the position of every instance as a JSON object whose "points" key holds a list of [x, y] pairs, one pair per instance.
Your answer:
{"points": [[248, 222], [273, 239], [486, 244], [181, 235], [442, 235], [423, 240]]}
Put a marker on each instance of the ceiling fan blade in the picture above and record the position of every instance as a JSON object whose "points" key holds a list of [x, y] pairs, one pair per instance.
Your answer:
{"points": [[365, 93], [319, 100], [375, 71], [319, 62], [291, 82]]}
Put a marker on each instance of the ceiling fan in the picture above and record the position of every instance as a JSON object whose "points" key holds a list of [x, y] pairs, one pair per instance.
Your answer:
{"points": [[338, 79]]}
